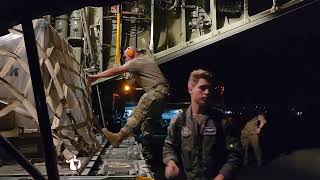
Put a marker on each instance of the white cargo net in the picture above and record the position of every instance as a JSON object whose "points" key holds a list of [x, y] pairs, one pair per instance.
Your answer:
{"points": [[68, 99]]}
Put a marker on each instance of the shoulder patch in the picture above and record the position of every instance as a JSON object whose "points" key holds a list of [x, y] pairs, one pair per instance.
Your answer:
{"points": [[185, 132]]}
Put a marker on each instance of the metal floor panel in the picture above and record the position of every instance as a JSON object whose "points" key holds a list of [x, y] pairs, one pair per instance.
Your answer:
{"points": [[125, 162]]}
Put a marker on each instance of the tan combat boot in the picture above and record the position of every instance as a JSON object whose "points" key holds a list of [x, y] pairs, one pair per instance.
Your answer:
{"points": [[114, 138]]}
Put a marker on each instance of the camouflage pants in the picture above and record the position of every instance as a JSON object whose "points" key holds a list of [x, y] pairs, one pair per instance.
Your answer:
{"points": [[252, 140], [146, 113]]}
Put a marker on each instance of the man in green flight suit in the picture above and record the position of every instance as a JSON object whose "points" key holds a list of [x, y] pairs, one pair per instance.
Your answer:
{"points": [[201, 139]]}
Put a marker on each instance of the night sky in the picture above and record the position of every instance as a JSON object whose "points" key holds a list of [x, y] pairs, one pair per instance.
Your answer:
{"points": [[274, 63]]}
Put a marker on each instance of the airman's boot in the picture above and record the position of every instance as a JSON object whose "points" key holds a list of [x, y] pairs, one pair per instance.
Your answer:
{"points": [[114, 138]]}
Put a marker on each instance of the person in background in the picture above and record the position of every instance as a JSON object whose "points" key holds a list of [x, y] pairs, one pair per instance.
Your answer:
{"points": [[250, 138]]}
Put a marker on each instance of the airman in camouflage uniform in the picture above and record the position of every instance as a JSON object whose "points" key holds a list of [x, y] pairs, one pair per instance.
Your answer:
{"points": [[147, 75], [250, 137]]}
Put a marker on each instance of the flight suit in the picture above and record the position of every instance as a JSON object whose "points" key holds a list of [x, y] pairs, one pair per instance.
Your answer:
{"points": [[206, 147], [250, 137]]}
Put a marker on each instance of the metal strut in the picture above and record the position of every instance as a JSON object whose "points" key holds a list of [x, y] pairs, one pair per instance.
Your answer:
{"points": [[39, 95]]}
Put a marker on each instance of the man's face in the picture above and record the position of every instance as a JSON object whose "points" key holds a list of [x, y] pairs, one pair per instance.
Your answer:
{"points": [[200, 92]]}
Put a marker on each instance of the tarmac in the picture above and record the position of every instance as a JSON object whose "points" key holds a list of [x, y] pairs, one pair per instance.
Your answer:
{"points": [[301, 164]]}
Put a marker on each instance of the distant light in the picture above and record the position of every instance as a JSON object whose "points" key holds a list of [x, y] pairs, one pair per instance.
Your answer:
{"points": [[221, 90], [126, 88], [169, 114], [299, 113]]}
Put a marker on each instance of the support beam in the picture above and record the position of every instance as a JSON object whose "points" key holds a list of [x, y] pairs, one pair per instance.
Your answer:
{"points": [[183, 22], [40, 100], [151, 45], [84, 16], [213, 15], [245, 10], [101, 108], [118, 37]]}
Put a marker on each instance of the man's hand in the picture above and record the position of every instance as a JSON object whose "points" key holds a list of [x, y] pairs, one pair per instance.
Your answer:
{"points": [[171, 170], [91, 79], [219, 177]]}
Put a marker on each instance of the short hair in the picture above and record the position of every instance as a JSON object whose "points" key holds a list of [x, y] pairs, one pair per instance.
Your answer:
{"points": [[195, 75]]}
